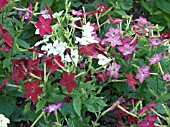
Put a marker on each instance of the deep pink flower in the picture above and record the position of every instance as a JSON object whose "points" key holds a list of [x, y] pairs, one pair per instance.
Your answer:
{"points": [[113, 36], [155, 41], [155, 59], [166, 77], [114, 21], [32, 90], [126, 49], [3, 3], [139, 30], [113, 70], [142, 20], [44, 26], [165, 35], [143, 72], [102, 7], [148, 122], [146, 108]]}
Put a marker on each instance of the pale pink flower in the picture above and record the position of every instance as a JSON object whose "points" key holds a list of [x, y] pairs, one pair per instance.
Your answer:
{"points": [[143, 72], [126, 49], [155, 59], [166, 77], [155, 41], [142, 20], [113, 70]]}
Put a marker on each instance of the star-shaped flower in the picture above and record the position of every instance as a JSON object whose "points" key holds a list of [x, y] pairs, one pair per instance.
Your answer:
{"points": [[131, 81], [3, 121], [143, 72], [68, 81], [43, 25]]}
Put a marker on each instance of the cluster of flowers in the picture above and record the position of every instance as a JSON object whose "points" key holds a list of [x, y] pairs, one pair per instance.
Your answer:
{"points": [[55, 54]]}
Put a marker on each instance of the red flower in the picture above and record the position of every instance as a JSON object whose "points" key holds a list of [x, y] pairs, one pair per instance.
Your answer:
{"points": [[5, 35], [89, 50], [3, 3], [131, 81], [32, 90], [43, 25], [148, 122], [3, 83], [68, 81], [101, 76], [54, 62], [49, 10]]}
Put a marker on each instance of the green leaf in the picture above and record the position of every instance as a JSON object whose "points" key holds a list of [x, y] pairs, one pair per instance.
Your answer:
{"points": [[90, 108], [40, 105], [146, 6], [6, 63], [7, 105], [77, 105], [163, 5], [49, 2], [22, 43], [77, 4]]}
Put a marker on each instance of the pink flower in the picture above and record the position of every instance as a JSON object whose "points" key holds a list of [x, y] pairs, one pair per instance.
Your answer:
{"points": [[142, 20], [126, 49], [114, 21], [113, 36], [78, 13], [166, 77], [148, 122], [139, 30], [44, 26], [143, 72], [154, 59], [148, 107], [155, 41], [102, 7], [113, 70]]}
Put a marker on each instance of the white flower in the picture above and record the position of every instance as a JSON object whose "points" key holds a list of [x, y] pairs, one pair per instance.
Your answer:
{"points": [[3, 121], [74, 57], [103, 59], [87, 35], [58, 14], [45, 14], [57, 48]]}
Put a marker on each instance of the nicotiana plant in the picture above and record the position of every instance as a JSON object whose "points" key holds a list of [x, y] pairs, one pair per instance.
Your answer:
{"points": [[80, 68]]}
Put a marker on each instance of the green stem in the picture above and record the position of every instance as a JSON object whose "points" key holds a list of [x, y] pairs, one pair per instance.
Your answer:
{"points": [[158, 114], [160, 67], [120, 107], [39, 78], [39, 117]]}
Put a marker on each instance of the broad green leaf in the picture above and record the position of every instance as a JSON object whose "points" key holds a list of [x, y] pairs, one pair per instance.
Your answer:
{"points": [[49, 2], [7, 63], [77, 4], [40, 105], [77, 105], [7, 105], [163, 5], [22, 43]]}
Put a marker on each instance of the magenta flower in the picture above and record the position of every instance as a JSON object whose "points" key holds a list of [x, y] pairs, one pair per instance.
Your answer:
{"points": [[113, 70], [142, 20], [166, 77], [143, 72], [155, 41], [126, 49], [114, 21], [148, 122], [113, 36], [155, 59], [44, 26], [146, 108], [139, 30]]}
